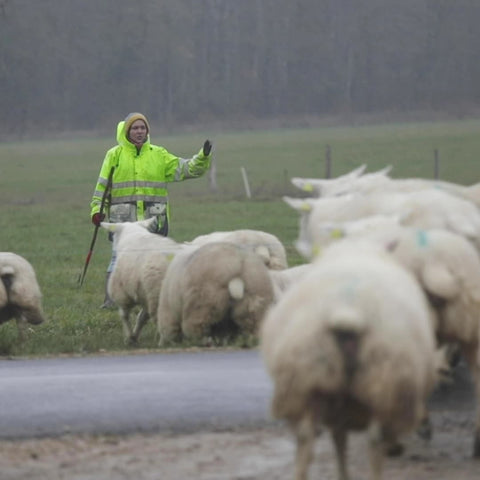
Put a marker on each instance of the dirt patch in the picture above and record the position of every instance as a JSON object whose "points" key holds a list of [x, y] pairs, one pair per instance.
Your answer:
{"points": [[265, 453]]}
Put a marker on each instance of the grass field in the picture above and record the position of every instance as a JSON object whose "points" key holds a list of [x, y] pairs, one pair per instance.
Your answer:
{"points": [[45, 190]]}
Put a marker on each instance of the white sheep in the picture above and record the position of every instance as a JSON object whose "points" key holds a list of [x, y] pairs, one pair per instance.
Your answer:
{"points": [[20, 295], [142, 261], [265, 244], [351, 347], [380, 181], [448, 269], [423, 209], [219, 289], [349, 183], [283, 279]]}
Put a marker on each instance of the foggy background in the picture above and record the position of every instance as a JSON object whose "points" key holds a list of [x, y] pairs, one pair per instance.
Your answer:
{"points": [[82, 65]]}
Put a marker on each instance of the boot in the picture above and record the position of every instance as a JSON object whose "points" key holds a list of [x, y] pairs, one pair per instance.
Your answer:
{"points": [[107, 301]]}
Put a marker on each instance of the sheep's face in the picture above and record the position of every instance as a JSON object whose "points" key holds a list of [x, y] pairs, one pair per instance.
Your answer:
{"points": [[6, 313], [31, 315]]}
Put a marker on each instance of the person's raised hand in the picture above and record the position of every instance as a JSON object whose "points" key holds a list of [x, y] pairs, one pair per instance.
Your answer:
{"points": [[207, 148], [97, 218]]}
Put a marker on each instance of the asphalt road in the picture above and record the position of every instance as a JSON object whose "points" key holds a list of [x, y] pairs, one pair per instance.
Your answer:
{"points": [[176, 392], [167, 392]]}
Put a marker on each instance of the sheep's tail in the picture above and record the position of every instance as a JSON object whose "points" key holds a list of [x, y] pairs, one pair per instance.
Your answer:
{"points": [[347, 319], [236, 287], [6, 270], [7, 273], [3, 292], [6, 277], [264, 253], [347, 327]]}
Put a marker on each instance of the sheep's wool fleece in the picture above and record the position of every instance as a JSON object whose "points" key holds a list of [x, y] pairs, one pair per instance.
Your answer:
{"points": [[367, 293]]}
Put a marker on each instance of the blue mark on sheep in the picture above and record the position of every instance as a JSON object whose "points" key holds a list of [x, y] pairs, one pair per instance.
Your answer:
{"points": [[349, 289], [422, 239]]}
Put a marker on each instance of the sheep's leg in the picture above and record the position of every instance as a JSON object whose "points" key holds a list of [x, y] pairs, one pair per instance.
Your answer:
{"points": [[197, 322], [305, 435], [142, 319], [476, 375], [168, 327], [22, 328], [376, 450], [472, 355], [476, 444], [425, 430], [127, 328], [339, 436]]}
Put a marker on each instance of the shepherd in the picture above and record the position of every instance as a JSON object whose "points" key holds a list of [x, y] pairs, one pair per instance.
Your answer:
{"points": [[141, 174]]}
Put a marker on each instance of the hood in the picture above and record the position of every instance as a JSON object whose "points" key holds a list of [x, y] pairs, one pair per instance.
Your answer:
{"points": [[122, 136]]}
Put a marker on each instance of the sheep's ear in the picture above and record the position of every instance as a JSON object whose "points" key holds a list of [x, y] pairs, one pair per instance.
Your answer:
{"points": [[332, 231], [356, 172], [352, 175], [304, 248], [438, 280], [299, 204], [385, 171], [304, 184], [150, 224]]}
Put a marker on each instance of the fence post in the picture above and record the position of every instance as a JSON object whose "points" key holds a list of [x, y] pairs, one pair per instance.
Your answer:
{"points": [[212, 176], [328, 162], [245, 182]]}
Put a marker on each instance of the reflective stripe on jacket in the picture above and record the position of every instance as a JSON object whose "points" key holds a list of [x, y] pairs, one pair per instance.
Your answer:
{"points": [[142, 177]]}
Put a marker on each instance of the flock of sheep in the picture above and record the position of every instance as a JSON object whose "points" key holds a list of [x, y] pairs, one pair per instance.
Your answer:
{"points": [[356, 338], [361, 339]]}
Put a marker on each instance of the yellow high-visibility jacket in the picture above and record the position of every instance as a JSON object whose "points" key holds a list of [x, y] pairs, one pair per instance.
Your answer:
{"points": [[139, 186]]}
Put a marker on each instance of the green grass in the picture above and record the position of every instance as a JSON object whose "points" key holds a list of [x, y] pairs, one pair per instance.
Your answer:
{"points": [[45, 190]]}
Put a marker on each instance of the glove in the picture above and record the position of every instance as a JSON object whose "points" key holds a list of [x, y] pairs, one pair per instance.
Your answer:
{"points": [[207, 148], [97, 218]]}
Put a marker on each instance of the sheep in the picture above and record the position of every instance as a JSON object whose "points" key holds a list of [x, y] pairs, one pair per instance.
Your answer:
{"points": [[142, 261], [380, 181], [424, 209], [283, 279], [349, 183], [20, 294], [219, 289], [350, 347], [448, 269], [313, 185], [265, 244]]}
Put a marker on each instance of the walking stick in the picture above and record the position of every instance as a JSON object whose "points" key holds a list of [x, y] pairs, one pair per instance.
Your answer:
{"points": [[106, 194]]}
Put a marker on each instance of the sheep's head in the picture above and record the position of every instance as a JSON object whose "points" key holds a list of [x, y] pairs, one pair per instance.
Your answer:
{"points": [[20, 295], [316, 186], [301, 205], [150, 224]]}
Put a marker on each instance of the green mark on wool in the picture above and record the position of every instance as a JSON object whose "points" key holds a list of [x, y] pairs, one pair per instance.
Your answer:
{"points": [[350, 288], [422, 239], [336, 233], [316, 250]]}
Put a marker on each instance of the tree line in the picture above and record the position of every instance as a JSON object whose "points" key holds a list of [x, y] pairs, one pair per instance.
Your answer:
{"points": [[84, 64]]}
